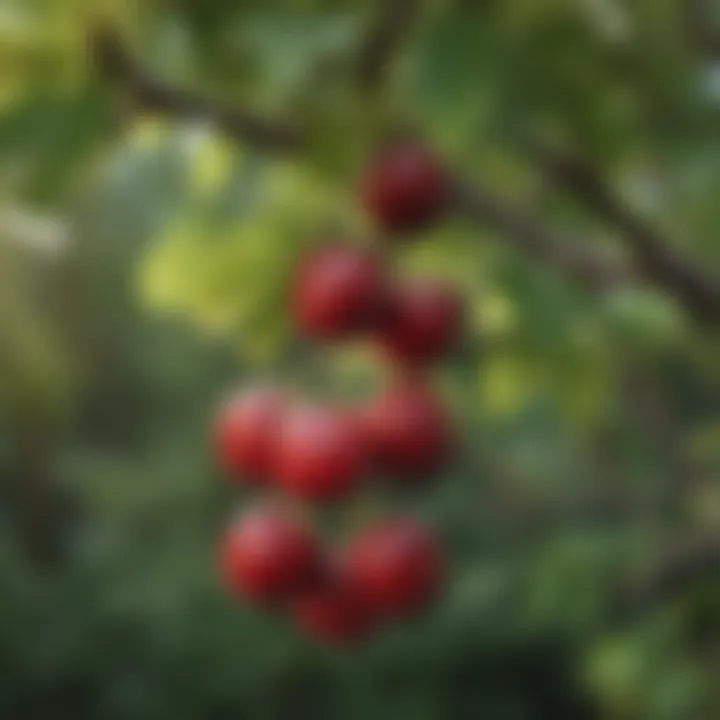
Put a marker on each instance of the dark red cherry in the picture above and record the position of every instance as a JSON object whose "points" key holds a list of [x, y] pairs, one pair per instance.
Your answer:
{"points": [[246, 431], [405, 187], [422, 322], [321, 453], [267, 557], [339, 291], [333, 612], [397, 566], [408, 433]]}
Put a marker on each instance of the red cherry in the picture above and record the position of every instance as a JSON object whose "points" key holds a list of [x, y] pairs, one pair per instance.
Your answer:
{"points": [[407, 431], [266, 557], [321, 453], [396, 565], [423, 321], [246, 432], [405, 188], [339, 290], [333, 612]]}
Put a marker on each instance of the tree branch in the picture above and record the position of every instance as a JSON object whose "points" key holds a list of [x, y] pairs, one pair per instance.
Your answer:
{"points": [[154, 95], [680, 568], [654, 257], [702, 33], [588, 268], [650, 407], [380, 45]]}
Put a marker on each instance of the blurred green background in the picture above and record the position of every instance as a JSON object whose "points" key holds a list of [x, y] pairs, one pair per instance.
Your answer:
{"points": [[143, 260]]}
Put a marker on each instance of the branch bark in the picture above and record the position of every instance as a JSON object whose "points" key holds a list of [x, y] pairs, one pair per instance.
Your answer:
{"points": [[586, 267], [383, 40], [703, 34], [655, 259], [155, 95], [679, 568]]}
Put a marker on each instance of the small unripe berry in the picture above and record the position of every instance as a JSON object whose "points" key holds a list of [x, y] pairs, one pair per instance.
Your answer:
{"points": [[422, 323], [408, 433], [396, 566], [321, 453], [339, 291], [246, 431], [405, 188], [266, 557]]}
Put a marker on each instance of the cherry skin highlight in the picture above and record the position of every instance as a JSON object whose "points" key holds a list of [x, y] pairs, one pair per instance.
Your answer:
{"points": [[397, 566], [339, 291], [245, 433], [408, 433], [405, 188], [423, 322], [266, 557], [321, 453]]}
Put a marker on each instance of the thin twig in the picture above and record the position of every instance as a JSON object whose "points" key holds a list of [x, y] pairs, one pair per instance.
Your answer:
{"points": [[154, 95], [383, 40], [589, 268], [703, 34], [650, 406], [654, 257], [678, 569]]}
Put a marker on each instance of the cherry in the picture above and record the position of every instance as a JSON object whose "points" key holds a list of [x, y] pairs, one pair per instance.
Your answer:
{"points": [[267, 557], [321, 453], [407, 432], [246, 430], [423, 321], [333, 612], [339, 290], [405, 188], [396, 565]]}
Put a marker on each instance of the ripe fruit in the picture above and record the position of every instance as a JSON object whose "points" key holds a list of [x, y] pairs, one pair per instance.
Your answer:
{"points": [[407, 432], [405, 188], [267, 557], [246, 431], [423, 321], [320, 454], [333, 612], [339, 291], [396, 566]]}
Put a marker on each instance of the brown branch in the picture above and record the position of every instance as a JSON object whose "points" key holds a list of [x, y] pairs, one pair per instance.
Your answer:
{"points": [[654, 257], [650, 407], [45, 513], [586, 267], [155, 95], [702, 33], [384, 38], [679, 569]]}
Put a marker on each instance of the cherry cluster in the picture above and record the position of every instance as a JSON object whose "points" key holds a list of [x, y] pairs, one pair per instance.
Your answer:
{"points": [[319, 453]]}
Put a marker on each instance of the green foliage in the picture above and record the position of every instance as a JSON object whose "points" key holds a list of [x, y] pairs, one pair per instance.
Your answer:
{"points": [[589, 421]]}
